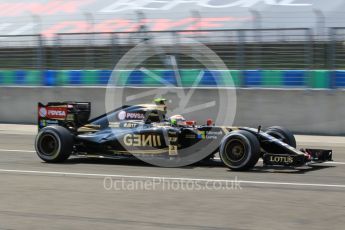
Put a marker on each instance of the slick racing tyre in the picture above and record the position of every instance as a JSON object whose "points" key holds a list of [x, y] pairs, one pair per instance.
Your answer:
{"points": [[240, 150], [282, 134], [54, 144]]}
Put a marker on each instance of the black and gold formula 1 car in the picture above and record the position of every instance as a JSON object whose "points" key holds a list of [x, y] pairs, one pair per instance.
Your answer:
{"points": [[144, 131]]}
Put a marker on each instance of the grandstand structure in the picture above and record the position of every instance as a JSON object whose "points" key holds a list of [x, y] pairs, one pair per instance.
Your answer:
{"points": [[276, 39]]}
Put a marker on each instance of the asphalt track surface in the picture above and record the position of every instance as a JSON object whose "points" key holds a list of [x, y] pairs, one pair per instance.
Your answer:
{"points": [[98, 193]]}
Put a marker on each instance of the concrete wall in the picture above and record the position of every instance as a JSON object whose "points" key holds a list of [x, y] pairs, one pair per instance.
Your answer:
{"points": [[309, 112]]}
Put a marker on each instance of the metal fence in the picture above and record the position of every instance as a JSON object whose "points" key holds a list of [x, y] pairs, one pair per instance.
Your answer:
{"points": [[337, 48], [22, 51], [292, 48], [239, 49]]}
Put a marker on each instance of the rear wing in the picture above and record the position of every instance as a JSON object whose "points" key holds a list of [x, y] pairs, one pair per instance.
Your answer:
{"points": [[71, 115]]}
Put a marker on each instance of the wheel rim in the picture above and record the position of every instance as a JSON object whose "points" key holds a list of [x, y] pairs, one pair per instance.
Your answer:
{"points": [[235, 150], [48, 145]]}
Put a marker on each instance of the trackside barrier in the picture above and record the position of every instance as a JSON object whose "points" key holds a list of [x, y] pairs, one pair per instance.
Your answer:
{"points": [[240, 78], [303, 111]]}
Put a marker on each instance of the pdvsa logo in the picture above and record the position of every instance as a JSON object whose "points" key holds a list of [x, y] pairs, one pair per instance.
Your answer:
{"points": [[123, 115], [56, 113], [135, 116], [52, 113], [42, 112]]}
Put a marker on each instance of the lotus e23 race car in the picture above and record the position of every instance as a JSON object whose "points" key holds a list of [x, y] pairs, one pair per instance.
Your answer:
{"points": [[143, 130]]}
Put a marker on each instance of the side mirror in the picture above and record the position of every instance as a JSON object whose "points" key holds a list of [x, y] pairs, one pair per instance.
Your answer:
{"points": [[259, 129], [209, 122], [191, 123]]}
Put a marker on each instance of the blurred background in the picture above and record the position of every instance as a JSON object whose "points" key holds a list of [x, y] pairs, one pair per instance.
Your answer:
{"points": [[265, 43]]}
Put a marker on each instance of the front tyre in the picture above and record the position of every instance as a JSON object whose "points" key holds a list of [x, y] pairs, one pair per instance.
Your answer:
{"points": [[54, 144], [240, 150], [282, 134]]}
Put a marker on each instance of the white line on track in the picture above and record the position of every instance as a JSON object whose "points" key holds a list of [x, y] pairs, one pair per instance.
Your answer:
{"points": [[334, 163], [17, 150], [182, 180]]}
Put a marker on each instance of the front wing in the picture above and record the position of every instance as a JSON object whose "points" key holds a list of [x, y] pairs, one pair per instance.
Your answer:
{"points": [[309, 156]]}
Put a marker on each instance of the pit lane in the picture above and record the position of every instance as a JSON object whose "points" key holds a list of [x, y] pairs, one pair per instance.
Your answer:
{"points": [[72, 195]]}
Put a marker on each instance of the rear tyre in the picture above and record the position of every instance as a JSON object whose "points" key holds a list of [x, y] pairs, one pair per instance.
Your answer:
{"points": [[54, 144], [282, 134], [240, 150]]}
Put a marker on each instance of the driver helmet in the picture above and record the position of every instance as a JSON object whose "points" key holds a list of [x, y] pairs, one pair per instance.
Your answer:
{"points": [[177, 120]]}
